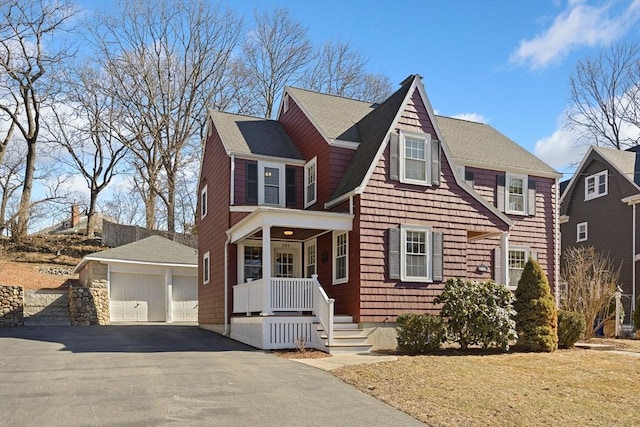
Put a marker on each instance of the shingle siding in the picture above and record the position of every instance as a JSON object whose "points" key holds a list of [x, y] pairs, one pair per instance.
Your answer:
{"points": [[216, 172]]}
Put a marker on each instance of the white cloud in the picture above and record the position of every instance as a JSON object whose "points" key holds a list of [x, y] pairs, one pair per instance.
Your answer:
{"points": [[579, 25], [472, 117], [560, 150]]}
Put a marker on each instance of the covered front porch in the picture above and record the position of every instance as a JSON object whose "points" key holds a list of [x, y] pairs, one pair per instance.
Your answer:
{"points": [[277, 299]]}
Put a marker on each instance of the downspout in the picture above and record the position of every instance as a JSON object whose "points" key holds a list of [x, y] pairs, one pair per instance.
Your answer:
{"points": [[351, 205], [226, 285], [233, 169], [633, 265]]}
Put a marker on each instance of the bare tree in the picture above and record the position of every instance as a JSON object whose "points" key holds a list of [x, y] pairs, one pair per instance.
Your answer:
{"points": [[82, 127], [276, 53], [603, 90], [340, 70], [26, 54], [10, 182], [168, 63], [591, 279]]}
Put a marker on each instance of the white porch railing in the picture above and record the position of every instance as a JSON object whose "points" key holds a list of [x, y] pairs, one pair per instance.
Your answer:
{"points": [[287, 294], [323, 308], [247, 297]]}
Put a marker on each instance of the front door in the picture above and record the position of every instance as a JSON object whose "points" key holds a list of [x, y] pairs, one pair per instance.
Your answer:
{"points": [[284, 263]]}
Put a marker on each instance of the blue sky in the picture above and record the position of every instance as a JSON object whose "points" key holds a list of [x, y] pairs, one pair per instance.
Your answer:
{"points": [[503, 62]]}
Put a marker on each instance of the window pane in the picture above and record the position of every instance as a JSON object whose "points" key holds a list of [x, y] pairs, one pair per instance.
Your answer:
{"points": [[416, 254], [517, 260], [284, 265], [271, 186], [415, 162], [341, 256], [252, 262], [602, 184], [591, 185], [516, 194]]}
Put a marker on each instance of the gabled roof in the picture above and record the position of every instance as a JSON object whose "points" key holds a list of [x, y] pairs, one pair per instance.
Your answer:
{"points": [[153, 250], [335, 117], [624, 162], [480, 145], [373, 131], [253, 135]]}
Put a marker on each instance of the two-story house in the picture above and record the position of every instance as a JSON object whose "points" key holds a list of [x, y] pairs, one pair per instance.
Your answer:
{"points": [[332, 220], [598, 209]]}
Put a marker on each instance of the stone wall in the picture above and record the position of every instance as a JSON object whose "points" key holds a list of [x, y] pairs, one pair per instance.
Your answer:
{"points": [[89, 306], [11, 305]]}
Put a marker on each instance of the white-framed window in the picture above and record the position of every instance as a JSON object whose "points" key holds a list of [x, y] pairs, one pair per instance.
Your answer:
{"points": [[271, 184], [285, 103], [310, 182], [581, 232], [596, 185], [206, 268], [415, 253], [340, 257], [516, 194], [516, 260], [415, 158], [204, 207], [252, 263], [310, 258]]}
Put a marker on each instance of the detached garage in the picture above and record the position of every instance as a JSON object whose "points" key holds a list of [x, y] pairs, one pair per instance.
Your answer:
{"points": [[151, 280]]}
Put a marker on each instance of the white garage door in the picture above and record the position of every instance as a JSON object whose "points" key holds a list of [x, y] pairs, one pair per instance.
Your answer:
{"points": [[137, 298], [185, 299]]}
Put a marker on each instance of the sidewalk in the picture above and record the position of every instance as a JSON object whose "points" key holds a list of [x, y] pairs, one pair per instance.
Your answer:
{"points": [[346, 359]]}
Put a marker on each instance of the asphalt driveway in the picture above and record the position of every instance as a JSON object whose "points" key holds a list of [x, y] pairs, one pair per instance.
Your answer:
{"points": [[148, 375]]}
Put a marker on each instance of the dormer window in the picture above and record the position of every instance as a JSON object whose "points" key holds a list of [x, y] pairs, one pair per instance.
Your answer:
{"points": [[596, 185], [271, 184]]}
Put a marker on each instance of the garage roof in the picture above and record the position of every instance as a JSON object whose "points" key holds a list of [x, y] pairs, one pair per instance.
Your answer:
{"points": [[155, 250]]}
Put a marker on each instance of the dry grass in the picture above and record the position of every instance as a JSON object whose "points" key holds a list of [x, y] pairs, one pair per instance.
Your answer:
{"points": [[567, 387]]}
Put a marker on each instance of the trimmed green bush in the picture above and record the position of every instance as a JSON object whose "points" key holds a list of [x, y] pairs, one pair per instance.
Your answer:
{"points": [[419, 333], [478, 313], [536, 314], [571, 327]]}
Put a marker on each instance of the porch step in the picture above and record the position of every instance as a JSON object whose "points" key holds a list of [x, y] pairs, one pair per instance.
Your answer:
{"points": [[347, 337]]}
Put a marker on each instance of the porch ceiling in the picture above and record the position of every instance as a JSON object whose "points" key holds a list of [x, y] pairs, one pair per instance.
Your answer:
{"points": [[302, 223]]}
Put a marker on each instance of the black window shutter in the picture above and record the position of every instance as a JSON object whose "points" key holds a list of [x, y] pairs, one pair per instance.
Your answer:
{"points": [[437, 243], [531, 197], [394, 253], [435, 162], [497, 265], [394, 159], [290, 183], [500, 192], [252, 183]]}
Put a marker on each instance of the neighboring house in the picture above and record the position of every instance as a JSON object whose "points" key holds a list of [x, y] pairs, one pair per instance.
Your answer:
{"points": [[598, 208], [151, 280], [75, 224], [365, 210]]}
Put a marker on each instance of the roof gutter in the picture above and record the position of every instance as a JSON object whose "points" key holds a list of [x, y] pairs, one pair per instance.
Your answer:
{"points": [[343, 198]]}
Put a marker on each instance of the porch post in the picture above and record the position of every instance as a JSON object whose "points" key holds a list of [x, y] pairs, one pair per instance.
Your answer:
{"points": [[266, 271]]}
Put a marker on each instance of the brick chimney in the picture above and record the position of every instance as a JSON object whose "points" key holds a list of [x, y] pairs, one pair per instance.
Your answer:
{"points": [[75, 215]]}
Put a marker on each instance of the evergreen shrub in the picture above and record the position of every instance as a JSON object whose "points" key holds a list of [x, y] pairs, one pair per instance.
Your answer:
{"points": [[478, 313], [419, 333], [571, 327], [536, 313]]}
